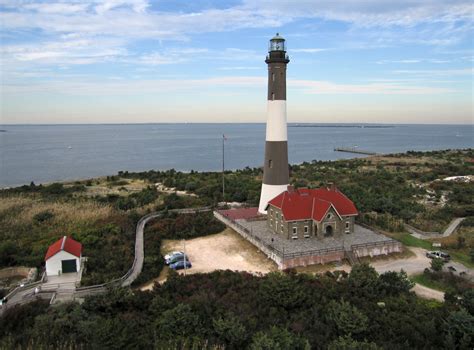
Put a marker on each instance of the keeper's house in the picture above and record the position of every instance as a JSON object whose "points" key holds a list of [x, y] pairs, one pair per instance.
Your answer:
{"points": [[63, 256], [311, 213]]}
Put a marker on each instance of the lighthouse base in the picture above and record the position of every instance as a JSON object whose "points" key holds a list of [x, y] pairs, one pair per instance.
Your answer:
{"points": [[268, 193]]}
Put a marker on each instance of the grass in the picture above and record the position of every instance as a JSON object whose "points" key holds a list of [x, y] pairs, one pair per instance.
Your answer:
{"points": [[408, 240], [450, 244], [461, 257], [428, 282]]}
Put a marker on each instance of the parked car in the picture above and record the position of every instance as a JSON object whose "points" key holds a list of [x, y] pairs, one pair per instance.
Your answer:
{"points": [[438, 255], [176, 258], [169, 255], [180, 264]]}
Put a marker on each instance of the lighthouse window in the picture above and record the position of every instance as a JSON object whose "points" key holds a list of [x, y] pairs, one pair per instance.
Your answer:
{"points": [[273, 96], [295, 233], [270, 163], [273, 76]]}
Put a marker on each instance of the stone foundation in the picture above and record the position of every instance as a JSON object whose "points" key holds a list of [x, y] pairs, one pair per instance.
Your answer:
{"points": [[313, 260], [383, 248]]}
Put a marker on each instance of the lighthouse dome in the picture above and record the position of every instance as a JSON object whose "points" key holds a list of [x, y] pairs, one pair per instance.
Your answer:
{"points": [[277, 43]]}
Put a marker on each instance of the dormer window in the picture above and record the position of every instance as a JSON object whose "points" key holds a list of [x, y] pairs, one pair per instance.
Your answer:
{"points": [[329, 216]]}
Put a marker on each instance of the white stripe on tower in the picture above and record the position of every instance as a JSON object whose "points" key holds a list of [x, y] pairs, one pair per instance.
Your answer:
{"points": [[276, 121]]}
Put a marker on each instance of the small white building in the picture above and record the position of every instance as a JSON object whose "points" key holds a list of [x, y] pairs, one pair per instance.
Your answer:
{"points": [[63, 256]]}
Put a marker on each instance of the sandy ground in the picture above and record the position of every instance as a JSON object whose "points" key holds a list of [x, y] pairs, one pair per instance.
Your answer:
{"points": [[223, 251], [428, 293], [228, 250]]}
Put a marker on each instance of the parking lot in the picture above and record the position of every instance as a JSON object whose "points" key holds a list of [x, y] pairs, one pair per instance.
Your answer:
{"points": [[223, 251]]}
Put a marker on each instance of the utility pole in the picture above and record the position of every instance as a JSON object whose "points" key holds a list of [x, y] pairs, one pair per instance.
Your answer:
{"points": [[223, 167], [184, 251]]}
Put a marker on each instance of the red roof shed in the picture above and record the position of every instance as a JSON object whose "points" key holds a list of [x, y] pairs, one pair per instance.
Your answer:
{"points": [[67, 244]]}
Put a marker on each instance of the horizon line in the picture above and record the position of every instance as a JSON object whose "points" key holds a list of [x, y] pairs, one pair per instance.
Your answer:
{"points": [[184, 123]]}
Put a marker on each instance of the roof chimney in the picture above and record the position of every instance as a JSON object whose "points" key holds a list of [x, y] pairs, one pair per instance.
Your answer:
{"points": [[332, 187], [290, 189]]}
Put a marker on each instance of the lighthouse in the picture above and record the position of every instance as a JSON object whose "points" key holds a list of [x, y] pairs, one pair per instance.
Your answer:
{"points": [[275, 169]]}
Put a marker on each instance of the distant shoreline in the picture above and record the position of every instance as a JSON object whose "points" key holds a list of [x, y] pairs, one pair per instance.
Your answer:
{"points": [[339, 126], [57, 152], [86, 178]]}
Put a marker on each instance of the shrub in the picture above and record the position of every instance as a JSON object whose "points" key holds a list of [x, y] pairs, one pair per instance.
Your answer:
{"points": [[437, 264], [43, 216]]}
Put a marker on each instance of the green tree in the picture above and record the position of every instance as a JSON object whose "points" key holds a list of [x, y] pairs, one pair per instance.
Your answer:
{"points": [[180, 322], [364, 279], [282, 290], [346, 318], [230, 330], [395, 283], [461, 240], [459, 328], [467, 300], [347, 343], [278, 339], [437, 264], [8, 251]]}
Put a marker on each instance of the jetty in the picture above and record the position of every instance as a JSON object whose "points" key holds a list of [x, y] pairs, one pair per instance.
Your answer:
{"points": [[354, 150]]}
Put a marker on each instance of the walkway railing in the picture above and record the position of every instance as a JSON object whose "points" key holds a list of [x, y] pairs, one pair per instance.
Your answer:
{"points": [[281, 254]]}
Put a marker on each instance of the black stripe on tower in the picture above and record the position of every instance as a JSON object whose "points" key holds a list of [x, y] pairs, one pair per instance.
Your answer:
{"points": [[275, 170], [277, 61]]}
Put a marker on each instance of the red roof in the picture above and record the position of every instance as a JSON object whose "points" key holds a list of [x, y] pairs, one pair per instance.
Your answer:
{"points": [[241, 213], [307, 203], [67, 244]]}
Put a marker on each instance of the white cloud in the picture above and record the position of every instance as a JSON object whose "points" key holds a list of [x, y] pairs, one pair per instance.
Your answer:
{"points": [[309, 50], [326, 87], [369, 13], [58, 8], [437, 72], [107, 5], [114, 87], [406, 61], [239, 68], [62, 52]]}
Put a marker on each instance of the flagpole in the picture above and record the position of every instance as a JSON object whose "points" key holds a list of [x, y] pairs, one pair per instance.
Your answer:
{"points": [[223, 168]]}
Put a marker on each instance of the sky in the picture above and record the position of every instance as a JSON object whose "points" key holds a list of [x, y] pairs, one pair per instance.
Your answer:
{"points": [[139, 61]]}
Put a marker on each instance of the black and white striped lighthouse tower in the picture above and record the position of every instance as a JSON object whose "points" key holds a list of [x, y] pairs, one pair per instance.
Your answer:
{"points": [[275, 169]]}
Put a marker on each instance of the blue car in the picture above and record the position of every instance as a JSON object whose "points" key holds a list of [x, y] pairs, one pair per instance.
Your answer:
{"points": [[179, 265], [175, 257]]}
